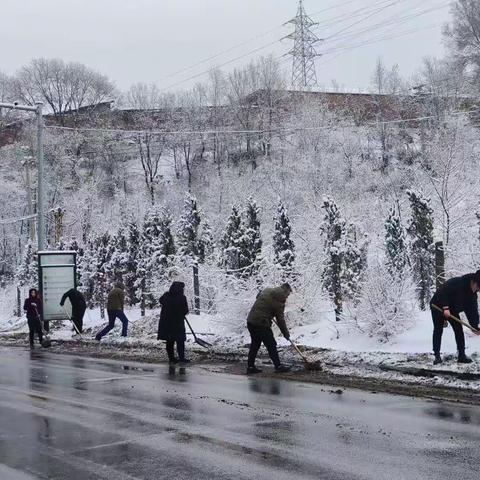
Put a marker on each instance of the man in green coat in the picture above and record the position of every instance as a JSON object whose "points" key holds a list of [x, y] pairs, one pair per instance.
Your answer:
{"points": [[115, 301], [270, 304]]}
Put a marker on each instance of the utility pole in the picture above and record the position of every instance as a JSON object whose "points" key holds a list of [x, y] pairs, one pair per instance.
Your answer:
{"points": [[40, 209], [304, 74], [38, 110]]}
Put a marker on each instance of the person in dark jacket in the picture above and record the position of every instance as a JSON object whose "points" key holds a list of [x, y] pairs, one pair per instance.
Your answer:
{"points": [[270, 304], [171, 326], [79, 306], [458, 294], [115, 302], [34, 309]]}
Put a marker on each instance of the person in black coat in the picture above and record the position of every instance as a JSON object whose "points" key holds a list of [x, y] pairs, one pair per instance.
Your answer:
{"points": [[458, 294], [171, 326], [34, 309], [78, 307]]}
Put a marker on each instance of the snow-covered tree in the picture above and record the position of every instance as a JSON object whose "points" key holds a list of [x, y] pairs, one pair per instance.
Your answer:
{"points": [[346, 257], [353, 261], [333, 226], [194, 236], [101, 254], [195, 242], [283, 246], [385, 307], [395, 244], [422, 252], [253, 239], [232, 244], [132, 257], [27, 273], [157, 250], [116, 267]]}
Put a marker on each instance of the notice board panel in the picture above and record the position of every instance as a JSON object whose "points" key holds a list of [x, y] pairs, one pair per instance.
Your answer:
{"points": [[57, 274]]}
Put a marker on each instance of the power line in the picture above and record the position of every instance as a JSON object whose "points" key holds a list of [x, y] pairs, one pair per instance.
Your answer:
{"points": [[246, 132], [251, 52], [256, 37]]}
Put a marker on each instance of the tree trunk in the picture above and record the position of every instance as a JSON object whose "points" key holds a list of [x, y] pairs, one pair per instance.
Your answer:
{"points": [[196, 289], [439, 264]]}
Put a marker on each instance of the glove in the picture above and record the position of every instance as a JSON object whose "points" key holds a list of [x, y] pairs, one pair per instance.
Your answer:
{"points": [[287, 335]]}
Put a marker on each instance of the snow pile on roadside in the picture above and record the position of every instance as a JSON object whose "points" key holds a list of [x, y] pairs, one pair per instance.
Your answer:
{"points": [[222, 332], [342, 349]]}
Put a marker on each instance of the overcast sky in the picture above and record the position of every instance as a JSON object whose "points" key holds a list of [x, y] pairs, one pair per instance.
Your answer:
{"points": [[149, 40]]}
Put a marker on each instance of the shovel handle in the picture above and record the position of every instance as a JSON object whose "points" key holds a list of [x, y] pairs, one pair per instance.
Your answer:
{"points": [[453, 317], [305, 359], [191, 329]]}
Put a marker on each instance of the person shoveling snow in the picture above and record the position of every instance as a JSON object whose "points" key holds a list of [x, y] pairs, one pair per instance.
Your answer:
{"points": [[270, 304], [456, 295]]}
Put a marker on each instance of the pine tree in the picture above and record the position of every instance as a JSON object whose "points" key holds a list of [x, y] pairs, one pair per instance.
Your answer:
{"points": [[422, 252], [101, 255], [333, 225], [133, 253], [156, 254], [283, 246], [232, 243], [346, 257], [86, 268], [253, 239], [194, 235], [116, 266], [195, 241], [27, 272], [395, 244], [353, 261]]}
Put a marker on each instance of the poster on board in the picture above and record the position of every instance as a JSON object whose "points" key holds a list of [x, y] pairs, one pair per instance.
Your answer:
{"points": [[57, 272]]}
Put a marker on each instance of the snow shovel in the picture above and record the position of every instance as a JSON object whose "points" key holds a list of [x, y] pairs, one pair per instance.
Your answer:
{"points": [[201, 342], [465, 324], [73, 323], [46, 342], [310, 365]]}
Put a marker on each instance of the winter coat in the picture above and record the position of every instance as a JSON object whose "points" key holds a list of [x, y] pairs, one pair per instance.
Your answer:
{"points": [[76, 299], [33, 305], [456, 294], [171, 326], [270, 303], [116, 299]]}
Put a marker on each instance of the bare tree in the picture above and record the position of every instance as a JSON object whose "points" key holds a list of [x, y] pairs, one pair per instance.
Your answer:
{"points": [[6, 95], [62, 86], [463, 36], [241, 84], [150, 148], [388, 85]]}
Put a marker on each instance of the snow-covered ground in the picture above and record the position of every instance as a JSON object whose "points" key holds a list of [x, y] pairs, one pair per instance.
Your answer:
{"points": [[342, 349]]}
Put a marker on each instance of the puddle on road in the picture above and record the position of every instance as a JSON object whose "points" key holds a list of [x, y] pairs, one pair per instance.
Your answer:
{"points": [[455, 414], [137, 369]]}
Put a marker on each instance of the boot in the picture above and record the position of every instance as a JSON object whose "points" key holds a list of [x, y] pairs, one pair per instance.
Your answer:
{"points": [[184, 360], [438, 359], [462, 358], [251, 370], [282, 368]]}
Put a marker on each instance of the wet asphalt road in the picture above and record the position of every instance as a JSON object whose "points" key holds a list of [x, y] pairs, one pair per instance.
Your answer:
{"points": [[67, 417]]}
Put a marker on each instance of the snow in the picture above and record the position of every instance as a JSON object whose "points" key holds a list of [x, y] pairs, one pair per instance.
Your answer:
{"points": [[344, 353]]}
